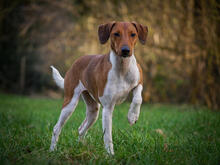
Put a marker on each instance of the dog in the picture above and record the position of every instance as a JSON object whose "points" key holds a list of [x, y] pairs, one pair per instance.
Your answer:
{"points": [[104, 80]]}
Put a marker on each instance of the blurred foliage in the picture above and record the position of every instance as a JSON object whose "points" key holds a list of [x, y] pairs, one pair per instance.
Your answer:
{"points": [[181, 61]]}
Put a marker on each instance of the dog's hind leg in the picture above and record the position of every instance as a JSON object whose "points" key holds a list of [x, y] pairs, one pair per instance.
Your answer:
{"points": [[68, 108], [92, 112]]}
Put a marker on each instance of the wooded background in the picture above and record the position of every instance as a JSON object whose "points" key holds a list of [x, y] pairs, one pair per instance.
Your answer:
{"points": [[180, 61]]}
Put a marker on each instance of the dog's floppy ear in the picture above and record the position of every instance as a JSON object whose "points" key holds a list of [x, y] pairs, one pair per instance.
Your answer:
{"points": [[104, 32], [142, 32]]}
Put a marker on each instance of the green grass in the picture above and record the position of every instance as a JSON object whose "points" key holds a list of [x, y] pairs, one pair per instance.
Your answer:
{"points": [[164, 134]]}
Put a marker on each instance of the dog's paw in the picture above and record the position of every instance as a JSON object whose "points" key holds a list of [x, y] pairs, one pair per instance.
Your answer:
{"points": [[82, 140], [132, 118], [52, 148], [110, 151]]}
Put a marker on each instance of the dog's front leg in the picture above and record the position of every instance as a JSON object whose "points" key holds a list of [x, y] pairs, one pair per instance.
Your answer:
{"points": [[135, 106], [107, 128]]}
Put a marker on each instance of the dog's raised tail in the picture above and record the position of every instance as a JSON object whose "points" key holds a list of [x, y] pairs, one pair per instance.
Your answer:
{"points": [[57, 77]]}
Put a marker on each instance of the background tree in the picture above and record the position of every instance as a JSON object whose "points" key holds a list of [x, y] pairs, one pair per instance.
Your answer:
{"points": [[181, 60]]}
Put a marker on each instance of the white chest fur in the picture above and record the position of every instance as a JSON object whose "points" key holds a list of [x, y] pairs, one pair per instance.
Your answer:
{"points": [[122, 78]]}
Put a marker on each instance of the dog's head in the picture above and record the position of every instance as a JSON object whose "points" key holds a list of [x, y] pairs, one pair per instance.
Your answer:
{"points": [[123, 36]]}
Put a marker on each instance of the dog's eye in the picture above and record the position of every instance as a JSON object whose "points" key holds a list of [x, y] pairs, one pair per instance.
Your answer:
{"points": [[117, 34], [133, 34]]}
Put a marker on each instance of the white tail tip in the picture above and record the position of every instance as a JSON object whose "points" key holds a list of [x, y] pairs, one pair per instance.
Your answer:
{"points": [[57, 77]]}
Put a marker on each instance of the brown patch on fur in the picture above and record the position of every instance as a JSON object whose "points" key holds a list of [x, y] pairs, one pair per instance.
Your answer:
{"points": [[141, 75], [92, 71], [73, 76], [93, 105], [95, 76]]}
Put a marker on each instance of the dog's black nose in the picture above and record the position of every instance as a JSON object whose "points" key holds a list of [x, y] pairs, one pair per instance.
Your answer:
{"points": [[125, 51]]}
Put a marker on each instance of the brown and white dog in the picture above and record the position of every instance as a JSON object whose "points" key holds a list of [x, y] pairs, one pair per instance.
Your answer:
{"points": [[104, 79]]}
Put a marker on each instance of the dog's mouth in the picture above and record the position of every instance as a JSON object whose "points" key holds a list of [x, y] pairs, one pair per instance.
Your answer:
{"points": [[125, 55]]}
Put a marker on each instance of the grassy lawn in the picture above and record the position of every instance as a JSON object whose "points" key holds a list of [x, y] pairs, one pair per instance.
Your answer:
{"points": [[164, 134]]}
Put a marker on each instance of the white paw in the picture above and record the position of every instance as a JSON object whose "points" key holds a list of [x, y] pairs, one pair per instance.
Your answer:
{"points": [[132, 118], [52, 148], [110, 151], [109, 148]]}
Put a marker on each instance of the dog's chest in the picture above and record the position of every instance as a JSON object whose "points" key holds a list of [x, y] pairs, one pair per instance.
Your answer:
{"points": [[119, 85]]}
